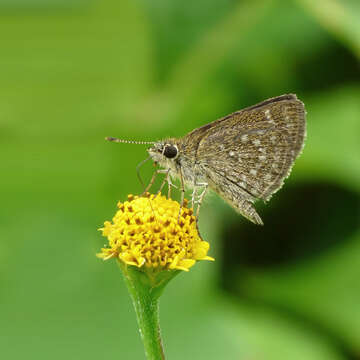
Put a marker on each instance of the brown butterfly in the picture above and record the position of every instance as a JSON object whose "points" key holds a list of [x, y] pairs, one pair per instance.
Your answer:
{"points": [[243, 157]]}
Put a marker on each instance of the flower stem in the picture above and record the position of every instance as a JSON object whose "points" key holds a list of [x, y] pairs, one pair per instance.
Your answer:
{"points": [[145, 297], [147, 313]]}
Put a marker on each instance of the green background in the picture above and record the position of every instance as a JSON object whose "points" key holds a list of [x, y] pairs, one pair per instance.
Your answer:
{"points": [[73, 72]]}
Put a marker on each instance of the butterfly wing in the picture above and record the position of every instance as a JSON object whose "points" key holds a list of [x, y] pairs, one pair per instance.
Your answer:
{"points": [[248, 154]]}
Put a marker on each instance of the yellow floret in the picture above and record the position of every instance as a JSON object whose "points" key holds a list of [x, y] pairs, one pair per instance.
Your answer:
{"points": [[147, 231]]}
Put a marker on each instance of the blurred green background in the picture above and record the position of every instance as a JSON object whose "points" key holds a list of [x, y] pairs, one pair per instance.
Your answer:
{"points": [[73, 72]]}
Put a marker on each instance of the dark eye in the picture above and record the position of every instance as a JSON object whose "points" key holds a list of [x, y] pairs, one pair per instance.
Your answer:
{"points": [[170, 151]]}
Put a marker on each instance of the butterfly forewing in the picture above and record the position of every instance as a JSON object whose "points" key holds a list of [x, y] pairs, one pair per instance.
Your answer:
{"points": [[252, 149]]}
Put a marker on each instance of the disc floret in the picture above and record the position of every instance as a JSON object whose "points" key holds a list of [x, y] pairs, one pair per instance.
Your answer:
{"points": [[149, 232]]}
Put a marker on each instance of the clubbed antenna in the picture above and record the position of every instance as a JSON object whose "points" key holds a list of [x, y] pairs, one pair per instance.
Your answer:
{"points": [[109, 138]]}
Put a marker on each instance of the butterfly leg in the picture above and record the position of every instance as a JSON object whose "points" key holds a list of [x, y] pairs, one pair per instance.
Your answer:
{"points": [[199, 202], [151, 183], [201, 196], [170, 185], [165, 180], [193, 195], [194, 186], [182, 193]]}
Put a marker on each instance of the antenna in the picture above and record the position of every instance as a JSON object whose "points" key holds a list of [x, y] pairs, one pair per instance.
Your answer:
{"points": [[109, 138]]}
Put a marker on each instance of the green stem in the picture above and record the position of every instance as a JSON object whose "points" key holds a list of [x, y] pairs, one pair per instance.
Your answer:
{"points": [[147, 313], [145, 291]]}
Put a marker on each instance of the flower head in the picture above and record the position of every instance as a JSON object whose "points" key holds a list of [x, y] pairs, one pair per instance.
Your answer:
{"points": [[148, 232]]}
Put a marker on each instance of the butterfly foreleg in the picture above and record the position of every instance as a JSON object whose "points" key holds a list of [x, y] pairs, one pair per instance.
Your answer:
{"points": [[153, 178]]}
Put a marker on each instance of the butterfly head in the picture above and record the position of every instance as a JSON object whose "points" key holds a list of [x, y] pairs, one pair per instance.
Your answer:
{"points": [[163, 152]]}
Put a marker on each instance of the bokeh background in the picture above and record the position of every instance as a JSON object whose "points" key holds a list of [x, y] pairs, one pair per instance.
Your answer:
{"points": [[73, 72]]}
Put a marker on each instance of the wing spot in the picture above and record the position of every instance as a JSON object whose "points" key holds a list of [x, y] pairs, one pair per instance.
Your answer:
{"points": [[256, 142], [244, 138], [231, 153], [253, 172], [268, 116], [267, 177], [262, 157]]}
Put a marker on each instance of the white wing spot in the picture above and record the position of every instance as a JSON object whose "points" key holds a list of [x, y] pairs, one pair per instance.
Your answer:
{"points": [[262, 157], [267, 177], [256, 142], [243, 177], [267, 114], [231, 153], [244, 138], [262, 150], [253, 172], [268, 117]]}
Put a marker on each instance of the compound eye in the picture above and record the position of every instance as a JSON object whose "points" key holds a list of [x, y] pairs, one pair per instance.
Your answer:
{"points": [[170, 151]]}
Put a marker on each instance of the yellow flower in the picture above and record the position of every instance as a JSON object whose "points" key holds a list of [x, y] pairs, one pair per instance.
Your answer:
{"points": [[148, 232]]}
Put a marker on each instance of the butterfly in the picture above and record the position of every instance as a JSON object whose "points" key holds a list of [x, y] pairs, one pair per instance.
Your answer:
{"points": [[243, 157]]}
